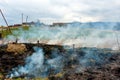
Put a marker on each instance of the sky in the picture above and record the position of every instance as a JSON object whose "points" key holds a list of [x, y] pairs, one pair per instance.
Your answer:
{"points": [[49, 11]]}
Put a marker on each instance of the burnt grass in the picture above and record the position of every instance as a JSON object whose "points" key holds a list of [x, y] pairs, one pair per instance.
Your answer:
{"points": [[108, 71], [9, 60]]}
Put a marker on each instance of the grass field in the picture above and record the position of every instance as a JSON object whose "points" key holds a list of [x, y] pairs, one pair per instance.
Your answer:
{"points": [[6, 32]]}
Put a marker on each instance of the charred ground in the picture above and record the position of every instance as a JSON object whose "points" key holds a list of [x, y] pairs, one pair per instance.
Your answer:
{"points": [[107, 70], [11, 59]]}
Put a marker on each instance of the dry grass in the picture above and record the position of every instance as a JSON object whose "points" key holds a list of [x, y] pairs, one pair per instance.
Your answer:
{"points": [[16, 48]]}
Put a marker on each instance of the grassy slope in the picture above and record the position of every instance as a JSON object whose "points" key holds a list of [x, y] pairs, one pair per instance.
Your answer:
{"points": [[6, 32]]}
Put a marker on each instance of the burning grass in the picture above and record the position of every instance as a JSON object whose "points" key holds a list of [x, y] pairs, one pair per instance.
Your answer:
{"points": [[61, 64]]}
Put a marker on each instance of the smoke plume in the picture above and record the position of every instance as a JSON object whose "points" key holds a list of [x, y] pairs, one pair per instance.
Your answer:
{"points": [[80, 35], [37, 65]]}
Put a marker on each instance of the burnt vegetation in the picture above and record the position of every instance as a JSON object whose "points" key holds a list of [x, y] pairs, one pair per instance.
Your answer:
{"points": [[107, 69]]}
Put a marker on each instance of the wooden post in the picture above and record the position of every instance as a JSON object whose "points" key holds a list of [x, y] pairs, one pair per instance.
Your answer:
{"points": [[0, 36], [117, 41], [37, 41], [73, 47], [5, 20], [26, 19], [16, 40], [22, 18]]}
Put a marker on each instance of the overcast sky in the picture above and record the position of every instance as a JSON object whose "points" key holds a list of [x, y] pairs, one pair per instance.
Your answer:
{"points": [[60, 10]]}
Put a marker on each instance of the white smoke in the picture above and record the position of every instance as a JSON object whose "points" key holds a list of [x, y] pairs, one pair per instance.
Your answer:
{"points": [[68, 35], [36, 60], [37, 65], [94, 57]]}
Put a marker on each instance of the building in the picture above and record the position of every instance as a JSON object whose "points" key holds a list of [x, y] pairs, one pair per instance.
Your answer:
{"points": [[28, 23], [59, 24]]}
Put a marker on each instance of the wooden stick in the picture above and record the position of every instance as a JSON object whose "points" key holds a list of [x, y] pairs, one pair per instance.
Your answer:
{"points": [[5, 20]]}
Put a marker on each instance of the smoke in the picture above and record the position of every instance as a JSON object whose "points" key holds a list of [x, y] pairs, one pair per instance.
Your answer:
{"points": [[81, 35], [36, 60], [38, 65], [94, 57]]}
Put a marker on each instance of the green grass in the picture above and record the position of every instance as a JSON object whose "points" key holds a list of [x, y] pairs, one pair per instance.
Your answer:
{"points": [[6, 32]]}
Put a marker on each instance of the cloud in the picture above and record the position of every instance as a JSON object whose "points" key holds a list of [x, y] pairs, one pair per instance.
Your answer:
{"points": [[79, 10]]}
